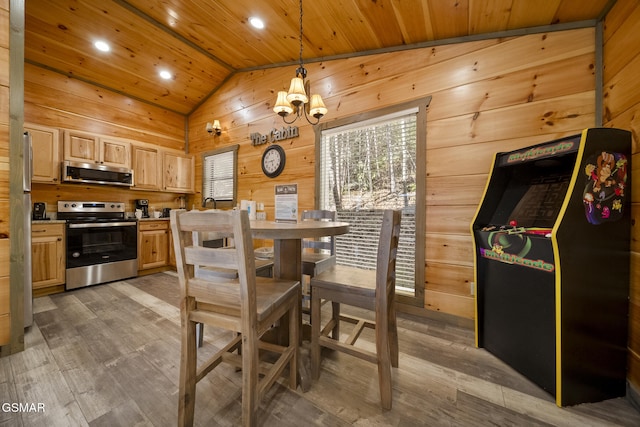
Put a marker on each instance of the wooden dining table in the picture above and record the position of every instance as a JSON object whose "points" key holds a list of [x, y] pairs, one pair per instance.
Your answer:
{"points": [[287, 241], [287, 260]]}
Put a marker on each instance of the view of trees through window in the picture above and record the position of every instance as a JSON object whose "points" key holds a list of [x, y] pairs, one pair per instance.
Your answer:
{"points": [[365, 169]]}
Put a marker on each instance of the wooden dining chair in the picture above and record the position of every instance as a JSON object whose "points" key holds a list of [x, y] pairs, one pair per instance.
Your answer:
{"points": [[247, 306], [318, 255], [369, 289]]}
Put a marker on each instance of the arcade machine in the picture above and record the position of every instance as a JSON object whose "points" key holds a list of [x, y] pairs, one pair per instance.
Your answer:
{"points": [[551, 240]]}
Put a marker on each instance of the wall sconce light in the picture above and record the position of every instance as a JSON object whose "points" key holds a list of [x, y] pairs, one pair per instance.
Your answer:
{"points": [[214, 127]]}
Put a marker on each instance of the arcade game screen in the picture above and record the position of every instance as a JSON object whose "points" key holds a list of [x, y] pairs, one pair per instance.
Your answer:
{"points": [[534, 193]]}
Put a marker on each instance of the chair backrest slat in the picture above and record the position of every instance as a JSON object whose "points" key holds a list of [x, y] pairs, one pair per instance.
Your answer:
{"points": [[187, 228], [328, 244], [388, 251]]}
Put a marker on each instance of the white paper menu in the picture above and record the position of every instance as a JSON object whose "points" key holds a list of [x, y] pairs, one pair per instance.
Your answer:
{"points": [[286, 201]]}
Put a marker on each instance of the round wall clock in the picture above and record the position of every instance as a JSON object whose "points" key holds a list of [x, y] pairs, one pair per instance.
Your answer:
{"points": [[273, 160]]}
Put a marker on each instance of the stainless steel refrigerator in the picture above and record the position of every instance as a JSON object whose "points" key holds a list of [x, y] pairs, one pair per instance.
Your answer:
{"points": [[26, 200]]}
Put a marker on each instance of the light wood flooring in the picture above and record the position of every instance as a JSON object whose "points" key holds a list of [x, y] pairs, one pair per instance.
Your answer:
{"points": [[108, 355]]}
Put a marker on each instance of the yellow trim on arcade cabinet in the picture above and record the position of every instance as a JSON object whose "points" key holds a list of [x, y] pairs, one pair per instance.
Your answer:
{"points": [[556, 257], [475, 246]]}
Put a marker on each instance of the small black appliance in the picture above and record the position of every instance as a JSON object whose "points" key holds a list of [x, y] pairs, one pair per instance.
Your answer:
{"points": [[143, 205], [39, 211]]}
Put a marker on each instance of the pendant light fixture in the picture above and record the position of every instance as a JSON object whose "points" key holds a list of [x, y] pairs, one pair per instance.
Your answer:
{"points": [[296, 101]]}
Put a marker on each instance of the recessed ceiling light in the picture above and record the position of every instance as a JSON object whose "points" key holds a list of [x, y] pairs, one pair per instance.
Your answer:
{"points": [[102, 46], [165, 74], [256, 22]]}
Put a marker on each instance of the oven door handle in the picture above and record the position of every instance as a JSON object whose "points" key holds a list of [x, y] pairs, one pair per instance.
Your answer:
{"points": [[101, 224]]}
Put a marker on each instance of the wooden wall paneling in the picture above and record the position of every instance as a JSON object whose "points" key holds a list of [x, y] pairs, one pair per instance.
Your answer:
{"points": [[474, 61], [446, 302], [475, 159], [455, 190], [447, 278], [4, 180], [4, 294], [450, 219], [4, 26], [56, 100], [449, 249], [621, 33], [561, 114], [620, 92], [545, 81], [362, 71], [4, 71]]}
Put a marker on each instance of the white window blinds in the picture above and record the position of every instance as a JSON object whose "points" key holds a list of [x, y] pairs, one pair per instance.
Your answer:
{"points": [[365, 168], [218, 175]]}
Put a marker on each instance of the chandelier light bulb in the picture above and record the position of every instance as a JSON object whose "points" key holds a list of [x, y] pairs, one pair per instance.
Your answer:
{"points": [[282, 107], [297, 94]]}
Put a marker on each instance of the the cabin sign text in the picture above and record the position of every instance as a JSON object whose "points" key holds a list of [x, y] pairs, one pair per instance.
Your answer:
{"points": [[275, 135]]}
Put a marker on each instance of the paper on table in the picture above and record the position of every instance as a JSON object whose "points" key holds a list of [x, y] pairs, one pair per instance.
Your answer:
{"points": [[286, 202]]}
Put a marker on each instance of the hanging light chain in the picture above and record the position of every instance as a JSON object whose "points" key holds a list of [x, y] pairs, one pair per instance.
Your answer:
{"points": [[301, 70]]}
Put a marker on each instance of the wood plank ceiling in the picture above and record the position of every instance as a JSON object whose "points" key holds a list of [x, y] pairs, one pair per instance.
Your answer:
{"points": [[203, 42]]}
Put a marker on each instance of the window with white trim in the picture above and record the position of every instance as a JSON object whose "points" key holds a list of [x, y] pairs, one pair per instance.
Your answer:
{"points": [[365, 167], [219, 182]]}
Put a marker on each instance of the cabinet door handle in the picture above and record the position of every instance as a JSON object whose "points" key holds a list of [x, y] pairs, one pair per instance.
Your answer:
{"points": [[59, 239], [39, 231]]}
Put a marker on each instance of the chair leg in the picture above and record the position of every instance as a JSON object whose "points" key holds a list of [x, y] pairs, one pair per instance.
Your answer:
{"points": [[188, 360], [335, 315], [384, 364], [315, 335], [294, 340], [250, 398], [200, 334], [393, 335]]}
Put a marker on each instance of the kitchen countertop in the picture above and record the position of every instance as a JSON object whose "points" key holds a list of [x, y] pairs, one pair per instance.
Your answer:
{"points": [[48, 221], [153, 219]]}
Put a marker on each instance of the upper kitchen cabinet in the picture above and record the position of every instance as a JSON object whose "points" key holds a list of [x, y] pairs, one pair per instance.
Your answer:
{"points": [[179, 172], [45, 143], [146, 168], [86, 147]]}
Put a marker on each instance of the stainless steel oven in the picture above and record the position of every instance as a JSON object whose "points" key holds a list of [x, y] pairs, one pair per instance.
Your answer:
{"points": [[102, 244]]}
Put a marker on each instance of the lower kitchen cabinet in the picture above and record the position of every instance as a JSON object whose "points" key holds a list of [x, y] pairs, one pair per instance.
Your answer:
{"points": [[47, 258], [153, 244], [5, 312]]}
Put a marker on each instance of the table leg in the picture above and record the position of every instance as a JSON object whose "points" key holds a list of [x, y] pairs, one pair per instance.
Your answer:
{"points": [[287, 264]]}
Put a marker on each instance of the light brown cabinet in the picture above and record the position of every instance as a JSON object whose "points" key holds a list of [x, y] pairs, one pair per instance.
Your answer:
{"points": [[47, 258], [146, 168], [153, 244], [87, 147], [179, 173], [45, 143], [5, 311]]}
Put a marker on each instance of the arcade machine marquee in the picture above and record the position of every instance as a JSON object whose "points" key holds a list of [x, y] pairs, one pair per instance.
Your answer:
{"points": [[551, 240]]}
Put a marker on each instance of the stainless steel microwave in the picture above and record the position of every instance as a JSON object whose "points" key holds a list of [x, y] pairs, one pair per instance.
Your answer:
{"points": [[90, 173]]}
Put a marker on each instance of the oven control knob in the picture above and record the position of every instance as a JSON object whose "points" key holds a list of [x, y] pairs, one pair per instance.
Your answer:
{"points": [[73, 205]]}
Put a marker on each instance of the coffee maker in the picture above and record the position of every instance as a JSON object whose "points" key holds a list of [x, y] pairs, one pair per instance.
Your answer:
{"points": [[143, 205]]}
